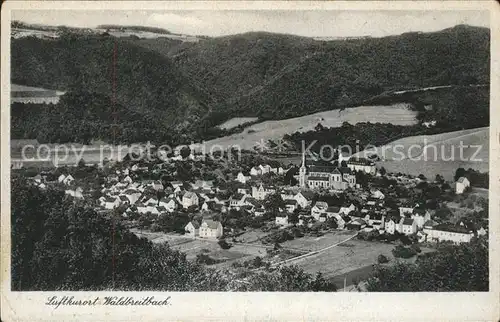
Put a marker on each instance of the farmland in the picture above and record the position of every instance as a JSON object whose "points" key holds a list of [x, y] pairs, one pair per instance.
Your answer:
{"points": [[436, 154], [398, 114]]}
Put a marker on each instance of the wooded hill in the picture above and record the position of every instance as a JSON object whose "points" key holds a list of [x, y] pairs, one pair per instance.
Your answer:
{"points": [[185, 89]]}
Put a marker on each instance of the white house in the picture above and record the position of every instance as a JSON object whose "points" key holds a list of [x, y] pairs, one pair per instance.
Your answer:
{"points": [[403, 211], [346, 210], [189, 199], [192, 229], [132, 195], [242, 178], [169, 204], [461, 184], [111, 203], [447, 232], [282, 219], [76, 193], [304, 198], [391, 226], [318, 209], [421, 216], [377, 194], [67, 180], [407, 226], [291, 205], [261, 192], [255, 171], [211, 229]]}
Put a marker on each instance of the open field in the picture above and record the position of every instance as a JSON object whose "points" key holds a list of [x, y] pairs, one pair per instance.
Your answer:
{"points": [[309, 243], [271, 130], [436, 154], [347, 257], [235, 121], [192, 247]]}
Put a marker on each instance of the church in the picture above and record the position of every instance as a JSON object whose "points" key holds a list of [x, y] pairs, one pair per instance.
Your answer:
{"points": [[322, 174]]}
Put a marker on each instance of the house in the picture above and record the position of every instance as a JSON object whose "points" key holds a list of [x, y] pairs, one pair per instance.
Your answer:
{"points": [[192, 229], [242, 177], [141, 208], [404, 210], [346, 210], [264, 168], [76, 193], [361, 164], [482, 232], [244, 191], [169, 204], [407, 226], [132, 195], [210, 229], [128, 179], [318, 209], [189, 199], [461, 184], [151, 202], [391, 226], [376, 220], [420, 216], [111, 203], [67, 180], [447, 232], [208, 205], [287, 195], [123, 200], [356, 224], [262, 191], [237, 200], [282, 219], [291, 205], [377, 194], [255, 171], [259, 211], [176, 184], [304, 198], [332, 211]]}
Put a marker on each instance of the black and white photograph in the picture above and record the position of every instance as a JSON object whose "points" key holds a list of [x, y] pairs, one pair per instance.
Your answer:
{"points": [[248, 151]]}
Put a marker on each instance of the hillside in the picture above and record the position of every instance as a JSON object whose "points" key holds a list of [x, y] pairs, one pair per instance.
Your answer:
{"points": [[436, 154], [190, 88], [275, 76], [146, 83]]}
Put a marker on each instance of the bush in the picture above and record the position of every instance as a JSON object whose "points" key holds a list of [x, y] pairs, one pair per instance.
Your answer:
{"points": [[416, 248], [403, 252], [381, 259], [224, 244]]}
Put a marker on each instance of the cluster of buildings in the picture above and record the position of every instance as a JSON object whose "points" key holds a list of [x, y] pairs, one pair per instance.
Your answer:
{"points": [[124, 189], [325, 175]]}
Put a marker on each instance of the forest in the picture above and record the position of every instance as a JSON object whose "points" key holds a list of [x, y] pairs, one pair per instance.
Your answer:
{"points": [[61, 244], [170, 90]]}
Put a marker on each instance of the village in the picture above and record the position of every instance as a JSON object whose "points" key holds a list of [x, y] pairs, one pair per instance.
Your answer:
{"points": [[249, 214]]}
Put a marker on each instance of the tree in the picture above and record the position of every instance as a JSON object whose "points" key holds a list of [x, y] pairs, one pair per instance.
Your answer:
{"points": [[273, 202], [439, 179], [459, 173], [185, 152], [223, 244], [383, 171], [381, 259], [452, 268]]}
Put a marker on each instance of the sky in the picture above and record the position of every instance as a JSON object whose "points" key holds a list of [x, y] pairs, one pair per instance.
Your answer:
{"points": [[310, 23]]}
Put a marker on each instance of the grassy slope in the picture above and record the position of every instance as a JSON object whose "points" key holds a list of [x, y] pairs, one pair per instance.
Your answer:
{"points": [[447, 145]]}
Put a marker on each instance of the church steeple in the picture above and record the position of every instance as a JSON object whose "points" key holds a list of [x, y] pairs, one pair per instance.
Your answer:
{"points": [[302, 171]]}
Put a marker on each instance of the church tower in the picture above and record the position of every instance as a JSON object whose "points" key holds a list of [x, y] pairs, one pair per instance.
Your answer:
{"points": [[302, 171]]}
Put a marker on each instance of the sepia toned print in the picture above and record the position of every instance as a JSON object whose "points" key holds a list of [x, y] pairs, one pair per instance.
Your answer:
{"points": [[248, 151]]}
